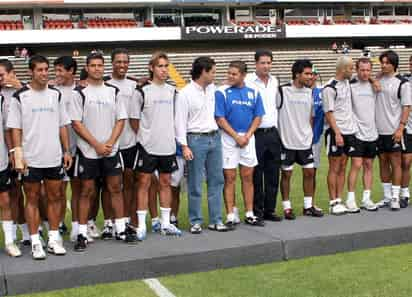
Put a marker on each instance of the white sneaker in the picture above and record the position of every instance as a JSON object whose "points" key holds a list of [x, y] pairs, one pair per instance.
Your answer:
{"points": [[395, 204], [56, 247], [93, 231], [171, 230], [141, 234], [369, 205], [337, 208], [236, 220], [89, 238], [12, 250], [383, 203], [351, 206], [38, 252]]}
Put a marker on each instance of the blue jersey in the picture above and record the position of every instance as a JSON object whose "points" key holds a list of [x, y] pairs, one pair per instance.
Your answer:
{"points": [[239, 106], [319, 115]]}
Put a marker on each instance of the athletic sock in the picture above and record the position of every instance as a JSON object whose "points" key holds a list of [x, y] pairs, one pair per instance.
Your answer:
{"points": [[83, 230], [366, 195], [24, 229], [307, 202], [405, 193], [54, 235], [8, 232], [235, 211], [108, 223], [14, 231], [173, 218], [165, 217], [395, 191], [387, 191], [249, 214], [120, 225], [286, 204], [351, 196], [141, 217], [90, 222], [230, 217], [155, 220], [75, 227], [35, 239]]}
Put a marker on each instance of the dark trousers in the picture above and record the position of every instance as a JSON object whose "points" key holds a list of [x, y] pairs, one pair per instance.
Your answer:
{"points": [[266, 174]]}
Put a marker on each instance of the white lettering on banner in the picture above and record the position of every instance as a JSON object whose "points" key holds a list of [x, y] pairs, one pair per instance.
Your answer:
{"points": [[233, 30]]}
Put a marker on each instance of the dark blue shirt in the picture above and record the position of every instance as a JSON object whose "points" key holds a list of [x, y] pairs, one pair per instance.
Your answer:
{"points": [[319, 115]]}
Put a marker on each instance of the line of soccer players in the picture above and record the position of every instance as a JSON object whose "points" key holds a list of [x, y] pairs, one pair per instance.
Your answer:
{"points": [[125, 141]]}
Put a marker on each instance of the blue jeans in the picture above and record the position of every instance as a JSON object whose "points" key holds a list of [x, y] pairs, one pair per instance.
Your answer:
{"points": [[207, 154]]}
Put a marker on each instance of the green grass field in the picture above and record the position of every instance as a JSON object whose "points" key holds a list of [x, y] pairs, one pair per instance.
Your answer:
{"points": [[381, 272]]}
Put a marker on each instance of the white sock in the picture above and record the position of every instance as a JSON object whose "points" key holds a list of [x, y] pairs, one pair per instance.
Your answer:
{"points": [[155, 220], [83, 230], [46, 225], [351, 195], [120, 225], [405, 193], [395, 191], [286, 204], [14, 231], [235, 211], [249, 214], [90, 222], [173, 218], [8, 232], [307, 202], [366, 195], [387, 191], [24, 229], [54, 235], [141, 217], [230, 217], [75, 227], [108, 223], [35, 239], [40, 228], [165, 216]]}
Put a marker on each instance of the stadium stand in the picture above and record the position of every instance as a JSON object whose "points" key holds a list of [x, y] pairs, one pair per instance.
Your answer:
{"points": [[110, 23], [324, 60], [57, 24], [11, 25]]}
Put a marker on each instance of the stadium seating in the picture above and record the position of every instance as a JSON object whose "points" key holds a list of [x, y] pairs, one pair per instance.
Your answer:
{"points": [[201, 21], [11, 25], [164, 21], [57, 24], [110, 23]]}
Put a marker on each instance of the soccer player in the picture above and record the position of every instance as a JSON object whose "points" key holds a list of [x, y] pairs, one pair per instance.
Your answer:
{"points": [[5, 185], [38, 119], [266, 173], [130, 94], [295, 107], [239, 110], [9, 84], [340, 134], [392, 111], [197, 132], [98, 118], [157, 144], [65, 68], [363, 104]]}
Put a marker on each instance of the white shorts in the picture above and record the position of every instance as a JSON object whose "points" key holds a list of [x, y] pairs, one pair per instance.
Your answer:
{"points": [[178, 174], [233, 155], [317, 148]]}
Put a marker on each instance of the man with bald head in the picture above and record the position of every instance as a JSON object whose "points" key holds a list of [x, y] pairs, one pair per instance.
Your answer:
{"points": [[340, 134]]}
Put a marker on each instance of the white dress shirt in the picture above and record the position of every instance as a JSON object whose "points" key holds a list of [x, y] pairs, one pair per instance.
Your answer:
{"points": [[195, 109], [268, 93]]}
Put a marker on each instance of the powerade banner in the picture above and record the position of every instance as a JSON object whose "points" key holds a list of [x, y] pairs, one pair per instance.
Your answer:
{"points": [[233, 32]]}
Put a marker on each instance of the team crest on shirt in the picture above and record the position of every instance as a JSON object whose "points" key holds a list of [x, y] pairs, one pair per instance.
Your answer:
{"points": [[250, 95]]}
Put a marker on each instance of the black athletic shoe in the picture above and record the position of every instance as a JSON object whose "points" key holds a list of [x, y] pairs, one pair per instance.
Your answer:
{"points": [[26, 242], [254, 221], [131, 236], [289, 215], [107, 233], [272, 217], [404, 202], [63, 229], [176, 223], [121, 235], [313, 212], [81, 243]]}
